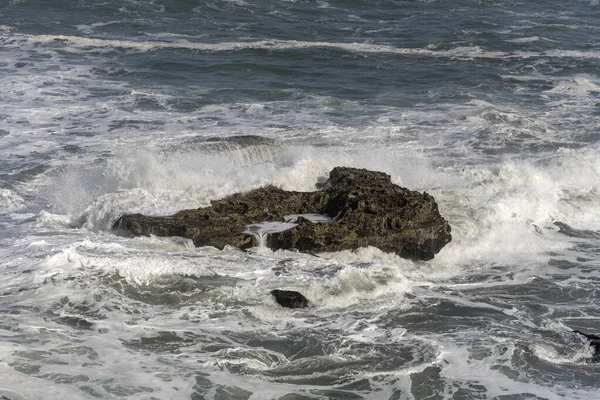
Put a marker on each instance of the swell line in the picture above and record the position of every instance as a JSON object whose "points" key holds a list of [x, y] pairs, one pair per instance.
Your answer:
{"points": [[458, 52]]}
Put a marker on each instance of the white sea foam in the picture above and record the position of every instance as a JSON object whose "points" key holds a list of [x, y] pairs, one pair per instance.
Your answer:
{"points": [[226, 46], [584, 54], [577, 86], [459, 52], [509, 213], [19, 386], [353, 286], [494, 374], [140, 268], [525, 39], [10, 201], [550, 354]]}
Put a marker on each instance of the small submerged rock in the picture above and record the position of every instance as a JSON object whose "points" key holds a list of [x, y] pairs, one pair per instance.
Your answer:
{"points": [[290, 298]]}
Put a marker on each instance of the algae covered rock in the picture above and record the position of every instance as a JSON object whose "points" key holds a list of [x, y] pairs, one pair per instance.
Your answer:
{"points": [[362, 207]]}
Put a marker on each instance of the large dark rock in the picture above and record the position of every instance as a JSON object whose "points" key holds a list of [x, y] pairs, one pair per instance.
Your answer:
{"points": [[290, 298], [366, 207]]}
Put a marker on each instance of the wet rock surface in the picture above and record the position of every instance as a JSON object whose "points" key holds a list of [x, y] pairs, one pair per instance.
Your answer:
{"points": [[290, 298], [366, 209]]}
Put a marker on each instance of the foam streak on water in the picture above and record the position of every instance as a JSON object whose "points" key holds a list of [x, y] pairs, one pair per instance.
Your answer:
{"points": [[153, 107]]}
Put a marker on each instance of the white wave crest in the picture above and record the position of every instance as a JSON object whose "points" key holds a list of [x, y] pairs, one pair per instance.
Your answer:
{"points": [[460, 52], [10, 201]]}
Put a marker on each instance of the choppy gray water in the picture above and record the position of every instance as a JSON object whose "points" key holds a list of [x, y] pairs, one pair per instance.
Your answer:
{"points": [[118, 107]]}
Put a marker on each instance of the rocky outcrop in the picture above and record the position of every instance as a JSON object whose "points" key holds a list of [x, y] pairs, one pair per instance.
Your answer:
{"points": [[365, 207], [290, 298]]}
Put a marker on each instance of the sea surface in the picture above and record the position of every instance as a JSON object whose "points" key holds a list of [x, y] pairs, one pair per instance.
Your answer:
{"points": [[154, 106]]}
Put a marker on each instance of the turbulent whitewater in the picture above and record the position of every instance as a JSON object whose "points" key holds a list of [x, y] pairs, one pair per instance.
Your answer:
{"points": [[113, 108]]}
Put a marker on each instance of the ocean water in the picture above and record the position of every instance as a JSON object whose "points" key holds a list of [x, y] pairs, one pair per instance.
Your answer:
{"points": [[113, 107]]}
